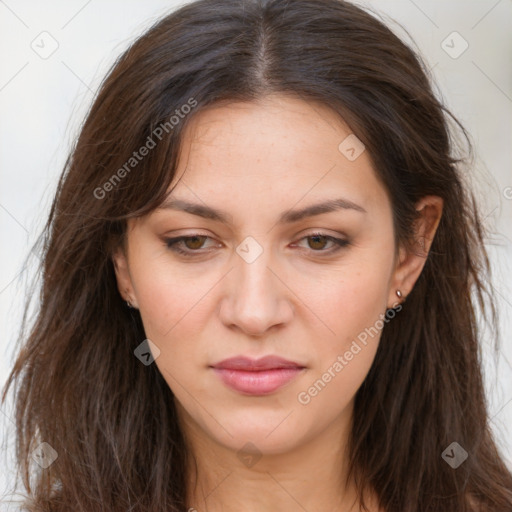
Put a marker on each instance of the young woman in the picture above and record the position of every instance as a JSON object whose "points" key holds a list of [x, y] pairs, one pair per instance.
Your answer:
{"points": [[260, 281]]}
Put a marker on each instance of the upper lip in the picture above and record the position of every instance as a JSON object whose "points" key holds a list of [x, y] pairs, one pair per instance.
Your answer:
{"points": [[263, 363]]}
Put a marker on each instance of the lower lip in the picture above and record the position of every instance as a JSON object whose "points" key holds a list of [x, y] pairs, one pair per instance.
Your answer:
{"points": [[257, 382]]}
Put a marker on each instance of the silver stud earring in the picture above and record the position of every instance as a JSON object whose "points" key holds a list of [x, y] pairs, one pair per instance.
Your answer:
{"points": [[399, 293]]}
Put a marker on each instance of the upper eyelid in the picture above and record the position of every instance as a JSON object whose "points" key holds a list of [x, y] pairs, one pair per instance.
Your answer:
{"points": [[305, 235], [317, 231]]}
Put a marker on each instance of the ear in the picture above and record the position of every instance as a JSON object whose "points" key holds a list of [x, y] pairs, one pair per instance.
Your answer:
{"points": [[124, 281], [411, 261]]}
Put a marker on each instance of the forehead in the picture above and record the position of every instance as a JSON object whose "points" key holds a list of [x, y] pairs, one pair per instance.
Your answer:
{"points": [[279, 148], [276, 125]]}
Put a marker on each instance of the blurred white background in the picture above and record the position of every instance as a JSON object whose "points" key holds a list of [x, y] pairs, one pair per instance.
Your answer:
{"points": [[43, 99]]}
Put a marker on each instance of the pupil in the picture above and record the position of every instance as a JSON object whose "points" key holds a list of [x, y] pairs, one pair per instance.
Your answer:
{"points": [[315, 240], [194, 240]]}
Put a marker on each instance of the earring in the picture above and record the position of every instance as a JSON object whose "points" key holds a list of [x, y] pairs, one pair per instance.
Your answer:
{"points": [[399, 294], [128, 303]]}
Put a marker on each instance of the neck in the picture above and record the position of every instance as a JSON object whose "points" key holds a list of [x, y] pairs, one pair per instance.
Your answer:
{"points": [[311, 477]]}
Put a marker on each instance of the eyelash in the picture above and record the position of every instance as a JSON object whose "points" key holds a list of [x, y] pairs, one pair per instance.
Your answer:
{"points": [[172, 244]]}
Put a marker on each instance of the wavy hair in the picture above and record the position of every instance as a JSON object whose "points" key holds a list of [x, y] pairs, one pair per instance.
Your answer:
{"points": [[111, 420]]}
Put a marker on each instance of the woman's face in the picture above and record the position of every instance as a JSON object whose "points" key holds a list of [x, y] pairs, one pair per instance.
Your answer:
{"points": [[265, 277]]}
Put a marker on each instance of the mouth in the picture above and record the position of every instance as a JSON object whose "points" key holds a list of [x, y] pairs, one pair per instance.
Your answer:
{"points": [[257, 376]]}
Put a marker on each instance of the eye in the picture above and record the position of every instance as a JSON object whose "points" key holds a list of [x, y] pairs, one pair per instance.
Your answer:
{"points": [[192, 243], [318, 241]]}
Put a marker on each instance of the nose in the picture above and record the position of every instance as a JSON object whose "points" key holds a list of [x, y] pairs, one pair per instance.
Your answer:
{"points": [[256, 298]]}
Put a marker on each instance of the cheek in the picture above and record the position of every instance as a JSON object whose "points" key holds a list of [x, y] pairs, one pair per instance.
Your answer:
{"points": [[171, 301], [351, 312], [330, 391], [343, 355], [350, 300], [174, 311]]}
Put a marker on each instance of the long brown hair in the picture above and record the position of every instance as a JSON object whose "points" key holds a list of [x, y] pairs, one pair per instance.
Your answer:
{"points": [[110, 419]]}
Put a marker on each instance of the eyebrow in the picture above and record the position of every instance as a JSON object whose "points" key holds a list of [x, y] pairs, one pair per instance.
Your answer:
{"points": [[286, 217]]}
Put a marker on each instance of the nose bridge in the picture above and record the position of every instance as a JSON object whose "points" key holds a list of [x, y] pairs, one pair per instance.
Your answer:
{"points": [[256, 298], [253, 276]]}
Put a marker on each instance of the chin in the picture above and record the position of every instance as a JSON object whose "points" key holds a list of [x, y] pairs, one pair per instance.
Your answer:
{"points": [[269, 436], [261, 443]]}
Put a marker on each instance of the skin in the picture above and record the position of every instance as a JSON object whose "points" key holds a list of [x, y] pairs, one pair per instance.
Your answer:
{"points": [[255, 161]]}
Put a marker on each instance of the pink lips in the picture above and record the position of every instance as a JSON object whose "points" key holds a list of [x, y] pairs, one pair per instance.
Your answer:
{"points": [[257, 376]]}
